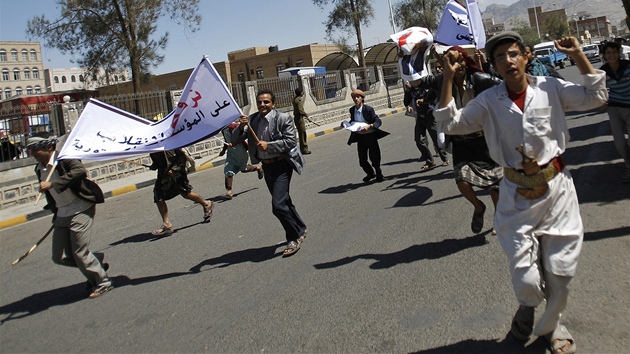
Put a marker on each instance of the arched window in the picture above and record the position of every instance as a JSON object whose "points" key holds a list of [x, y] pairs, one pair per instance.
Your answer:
{"points": [[259, 73], [5, 74], [24, 55], [279, 66], [38, 89], [240, 77], [35, 73], [115, 78], [33, 55], [81, 78], [122, 77], [27, 74], [93, 77], [3, 55], [13, 55], [73, 78], [56, 79], [16, 74], [29, 90], [7, 93], [18, 91], [63, 79]]}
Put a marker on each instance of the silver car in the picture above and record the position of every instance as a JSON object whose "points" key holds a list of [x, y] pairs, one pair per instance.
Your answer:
{"points": [[592, 52]]}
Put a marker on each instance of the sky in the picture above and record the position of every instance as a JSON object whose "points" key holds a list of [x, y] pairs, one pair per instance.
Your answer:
{"points": [[227, 25]]}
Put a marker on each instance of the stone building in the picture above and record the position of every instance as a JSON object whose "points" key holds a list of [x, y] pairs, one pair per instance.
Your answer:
{"points": [[22, 69]]}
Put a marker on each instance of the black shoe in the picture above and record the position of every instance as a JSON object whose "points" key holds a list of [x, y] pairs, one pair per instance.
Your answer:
{"points": [[306, 152], [379, 178], [367, 178]]}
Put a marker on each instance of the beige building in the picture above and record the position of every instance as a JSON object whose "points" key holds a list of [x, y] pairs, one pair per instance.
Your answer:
{"points": [[68, 79], [22, 69]]}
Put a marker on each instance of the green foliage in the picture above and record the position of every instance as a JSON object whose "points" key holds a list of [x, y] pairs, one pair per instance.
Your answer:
{"points": [[113, 34], [347, 15], [557, 27], [529, 35], [421, 13]]}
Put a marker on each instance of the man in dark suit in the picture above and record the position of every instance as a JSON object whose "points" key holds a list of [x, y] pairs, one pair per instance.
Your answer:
{"points": [[272, 141], [367, 137]]}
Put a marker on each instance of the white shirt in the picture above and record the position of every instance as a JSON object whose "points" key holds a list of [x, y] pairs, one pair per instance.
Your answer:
{"points": [[541, 129]]}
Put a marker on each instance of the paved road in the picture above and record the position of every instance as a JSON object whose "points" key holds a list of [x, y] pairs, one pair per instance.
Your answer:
{"points": [[387, 267]]}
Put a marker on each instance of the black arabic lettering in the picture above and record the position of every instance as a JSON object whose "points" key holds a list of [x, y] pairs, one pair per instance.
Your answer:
{"points": [[105, 137]]}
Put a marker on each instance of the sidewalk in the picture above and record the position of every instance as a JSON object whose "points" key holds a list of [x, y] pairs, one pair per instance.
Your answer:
{"points": [[27, 212]]}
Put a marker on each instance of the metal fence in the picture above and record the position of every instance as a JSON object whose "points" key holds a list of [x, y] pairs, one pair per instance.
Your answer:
{"points": [[283, 89], [239, 92], [17, 123], [366, 78], [391, 76], [326, 86], [152, 105]]}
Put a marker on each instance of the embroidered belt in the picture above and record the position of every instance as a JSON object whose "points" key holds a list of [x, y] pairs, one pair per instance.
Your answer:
{"points": [[546, 174], [272, 160]]}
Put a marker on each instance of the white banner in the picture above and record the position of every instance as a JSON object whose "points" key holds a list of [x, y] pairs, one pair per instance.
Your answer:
{"points": [[454, 27], [414, 43], [476, 24], [104, 132]]}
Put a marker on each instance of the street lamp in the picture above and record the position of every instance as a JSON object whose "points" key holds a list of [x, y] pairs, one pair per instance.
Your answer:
{"points": [[577, 29], [536, 17]]}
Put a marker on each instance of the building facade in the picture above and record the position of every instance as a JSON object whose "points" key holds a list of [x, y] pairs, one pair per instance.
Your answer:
{"points": [[68, 79], [22, 69]]}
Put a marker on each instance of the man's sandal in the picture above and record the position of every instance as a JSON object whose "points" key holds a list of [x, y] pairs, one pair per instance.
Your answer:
{"points": [[207, 212], [523, 323], [560, 341], [476, 224], [446, 163], [302, 237], [163, 231], [292, 247], [427, 166]]}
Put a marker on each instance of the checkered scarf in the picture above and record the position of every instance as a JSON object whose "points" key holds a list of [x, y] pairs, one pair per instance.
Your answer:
{"points": [[36, 142]]}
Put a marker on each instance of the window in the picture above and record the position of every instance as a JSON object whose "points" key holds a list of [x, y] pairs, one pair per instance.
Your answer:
{"points": [[5, 75], [56, 80], [240, 77], [16, 74], [27, 74], [7, 93], [299, 62], [279, 67], [3, 55], [24, 55], [93, 77], [13, 55], [38, 89], [18, 91], [259, 73], [33, 55], [73, 78], [29, 90], [35, 73], [81, 78], [63, 79], [122, 77], [115, 78]]}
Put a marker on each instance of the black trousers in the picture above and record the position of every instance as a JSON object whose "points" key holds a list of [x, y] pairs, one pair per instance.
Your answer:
{"points": [[423, 126], [367, 145], [278, 180]]}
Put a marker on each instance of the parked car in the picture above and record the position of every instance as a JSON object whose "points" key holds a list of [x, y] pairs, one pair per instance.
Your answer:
{"points": [[547, 53], [592, 52]]}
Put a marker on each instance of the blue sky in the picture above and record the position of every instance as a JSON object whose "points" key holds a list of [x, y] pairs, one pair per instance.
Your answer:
{"points": [[227, 25]]}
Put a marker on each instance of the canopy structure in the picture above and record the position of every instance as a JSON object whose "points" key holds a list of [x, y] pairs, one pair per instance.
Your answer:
{"points": [[337, 61], [382, 53]]}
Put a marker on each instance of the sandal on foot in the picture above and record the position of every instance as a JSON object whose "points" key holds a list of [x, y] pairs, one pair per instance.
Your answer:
{"points": [[102, 288], [163, 231], [427, 166], [446, 163], [302, 237], [560, 341], [261, 174], [477, 220], [523, 323], [292, 247], [207, 212]]}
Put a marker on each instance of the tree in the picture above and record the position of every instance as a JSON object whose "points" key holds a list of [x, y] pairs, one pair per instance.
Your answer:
{"points": [[347, 15], [422, 13], [113, 34], [557, 27], [529, 35], [626, 6]]}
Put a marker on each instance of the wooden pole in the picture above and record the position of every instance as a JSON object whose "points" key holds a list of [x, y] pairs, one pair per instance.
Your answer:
{"points": [[34, 246]]}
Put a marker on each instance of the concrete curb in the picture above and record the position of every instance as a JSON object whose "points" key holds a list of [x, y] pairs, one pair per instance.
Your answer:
{"points": [[149, 183]]}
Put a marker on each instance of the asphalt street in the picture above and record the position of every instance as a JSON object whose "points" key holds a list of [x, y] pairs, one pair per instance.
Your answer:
{"points": [[387, 267]]}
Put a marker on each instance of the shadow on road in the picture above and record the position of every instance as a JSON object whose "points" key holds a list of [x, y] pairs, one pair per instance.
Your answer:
{"points": [[473, 346], [147, 236], [254, 255], [432, 250], [599, 235], [39, 302]]}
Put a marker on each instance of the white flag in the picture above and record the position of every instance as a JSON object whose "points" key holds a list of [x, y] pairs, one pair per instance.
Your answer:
{"points": [[476, 24], [103, 132], [414, 43], [454, 26]]}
